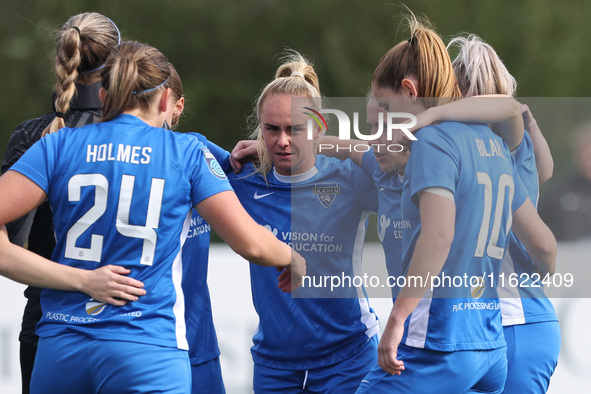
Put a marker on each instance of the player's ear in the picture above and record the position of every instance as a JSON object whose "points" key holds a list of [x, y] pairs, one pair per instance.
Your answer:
{"points": [[102, 94], [410, 87], [179, 106], [163, 102]]}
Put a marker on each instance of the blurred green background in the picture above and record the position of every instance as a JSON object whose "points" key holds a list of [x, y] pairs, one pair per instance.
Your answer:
{"points": [[226, 50]]}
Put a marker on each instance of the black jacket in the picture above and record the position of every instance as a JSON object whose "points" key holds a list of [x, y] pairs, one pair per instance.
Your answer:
{"points": [[35, 231]]}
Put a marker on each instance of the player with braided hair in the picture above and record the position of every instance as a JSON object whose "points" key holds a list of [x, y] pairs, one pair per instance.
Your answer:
{"points": [[83, 44]]}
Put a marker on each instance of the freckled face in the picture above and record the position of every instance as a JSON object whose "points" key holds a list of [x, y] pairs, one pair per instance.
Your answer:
{"points": [[285, 136]]}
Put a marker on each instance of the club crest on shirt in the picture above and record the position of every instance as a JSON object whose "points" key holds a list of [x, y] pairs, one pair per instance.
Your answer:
{"points": [[213, 165], [326, 193]]}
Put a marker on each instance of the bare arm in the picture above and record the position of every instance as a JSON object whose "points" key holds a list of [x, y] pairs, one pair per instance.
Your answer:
{"points": [[544, 160], [536, 237], [250, 240], [502, 113], [431, 251], [104, 284], [20, 195]]}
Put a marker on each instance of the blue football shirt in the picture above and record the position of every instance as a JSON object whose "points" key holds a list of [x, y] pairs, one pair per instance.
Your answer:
{"points": [[201, 334], [392, 225], [476, 166], [322, 215], [526, 302], [121, 193]]}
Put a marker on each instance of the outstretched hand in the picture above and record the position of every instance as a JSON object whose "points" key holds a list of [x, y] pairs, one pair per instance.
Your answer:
{"points": [[291, 276], [243, 152], [111, 285]]}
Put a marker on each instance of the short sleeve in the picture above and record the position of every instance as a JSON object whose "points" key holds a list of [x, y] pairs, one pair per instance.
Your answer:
{"points": [[434, 162], [207, 177], [220, 154]]}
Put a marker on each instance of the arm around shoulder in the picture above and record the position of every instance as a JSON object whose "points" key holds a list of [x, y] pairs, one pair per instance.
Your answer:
{"points": [[502, 113], [332, 146]]}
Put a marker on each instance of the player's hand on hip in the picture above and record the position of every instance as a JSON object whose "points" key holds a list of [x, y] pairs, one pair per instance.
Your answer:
{"points": [[111, 285]]}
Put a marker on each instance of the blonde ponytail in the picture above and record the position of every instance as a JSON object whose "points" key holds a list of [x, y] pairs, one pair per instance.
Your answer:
{"points": [[479, 69], [83, 44]]}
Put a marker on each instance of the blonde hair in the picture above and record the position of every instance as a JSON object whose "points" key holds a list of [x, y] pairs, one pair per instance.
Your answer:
{"points": [[83, 44], [479, 69], [295, 77], [423, 56], [133, 75]]}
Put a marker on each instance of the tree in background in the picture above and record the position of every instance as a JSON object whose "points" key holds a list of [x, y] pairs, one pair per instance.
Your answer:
{"points": [[222, 50]]}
